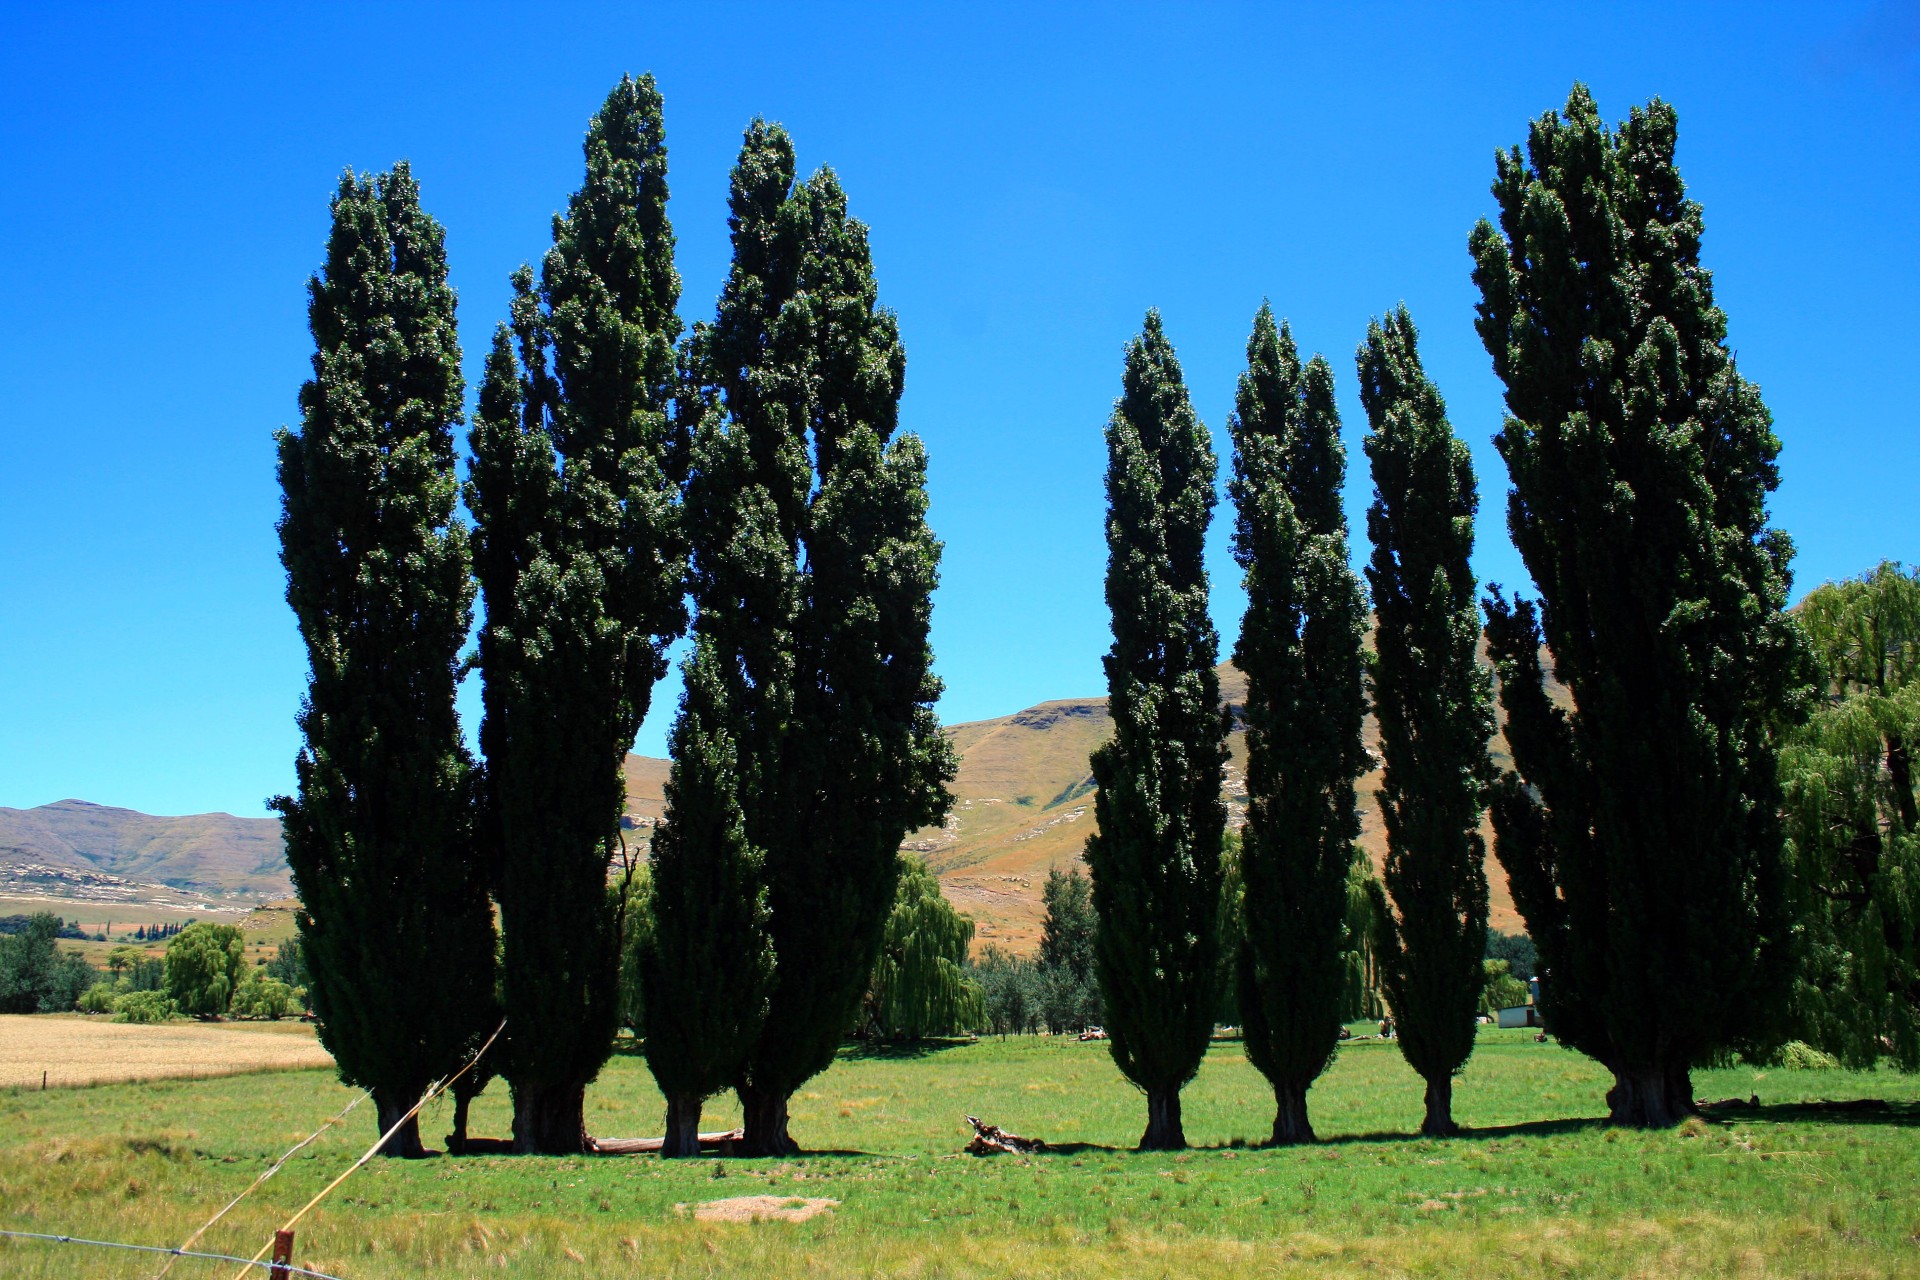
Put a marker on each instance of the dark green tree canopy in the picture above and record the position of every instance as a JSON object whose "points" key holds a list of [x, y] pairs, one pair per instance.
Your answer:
{"points": [[1300, 649], [1069, 983], [812, 571], [1156, 856], [380, 834], [580, 557], [204, 965], [1434, 706], [706, 962], [1641, 830]]}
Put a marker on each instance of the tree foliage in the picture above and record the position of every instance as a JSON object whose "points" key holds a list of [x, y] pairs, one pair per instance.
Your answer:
{"points": [[380, 835], [1853, 816], [1640, 831], [1434, 705], [35, 975], [204, 964], [580, 558], [706, 963], [1069, 985], [261, 995], [1300, 647], [1012, 1002], [920, 986], [1360, 990], [1156, 855], [812, 572]]}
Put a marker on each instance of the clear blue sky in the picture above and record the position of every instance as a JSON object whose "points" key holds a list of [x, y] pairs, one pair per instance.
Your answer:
{"points": [[1035, 177]]}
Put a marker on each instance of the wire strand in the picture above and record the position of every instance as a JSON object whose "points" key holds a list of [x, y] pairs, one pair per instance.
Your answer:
{"points": [[272, 1169], [160, 1248], [429, 1096]]}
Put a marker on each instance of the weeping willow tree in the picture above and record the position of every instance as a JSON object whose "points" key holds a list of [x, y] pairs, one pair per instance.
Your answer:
{"points": [[1362, 992], [1854, 821], [920, 984]]}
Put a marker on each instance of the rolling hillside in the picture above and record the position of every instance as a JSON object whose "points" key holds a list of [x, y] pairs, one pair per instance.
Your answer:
{"points": [[92, 852], [1023, 803]]}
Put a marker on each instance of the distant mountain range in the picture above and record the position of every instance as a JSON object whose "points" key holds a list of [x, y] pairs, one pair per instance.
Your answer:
{"points": [[1023, 802], [95, 853]]}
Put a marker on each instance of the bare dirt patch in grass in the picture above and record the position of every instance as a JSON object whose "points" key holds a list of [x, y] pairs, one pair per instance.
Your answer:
{"points": [[759, 1209], [71, 1049]]}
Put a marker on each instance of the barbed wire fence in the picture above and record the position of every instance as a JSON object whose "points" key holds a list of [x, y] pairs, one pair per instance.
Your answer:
{"points": [[281, 1243], [281, 1268]]}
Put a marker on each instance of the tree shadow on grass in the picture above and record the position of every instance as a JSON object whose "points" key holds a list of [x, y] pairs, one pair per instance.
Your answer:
{"points": [[1860, 1111], [899, 1050], [1523, 1129], [1870, 1111], [1082, 1149]]}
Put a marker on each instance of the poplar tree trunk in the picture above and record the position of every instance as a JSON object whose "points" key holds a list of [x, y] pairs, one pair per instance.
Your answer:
{"points": [[1164, 1131], [457, 1140], [405, 1141], [549, 1119], [764, 1120], [683, 1126], [1439, 1122], [1650, 1097], [1290, 1124]]}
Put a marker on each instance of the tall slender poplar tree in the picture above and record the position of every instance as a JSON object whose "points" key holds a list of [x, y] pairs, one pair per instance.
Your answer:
{"points": [[394, 922], [813, 572], [1641, 831], [706, 965], [1434, 705], [1156, 856], [579, 558], [1300, 647]]}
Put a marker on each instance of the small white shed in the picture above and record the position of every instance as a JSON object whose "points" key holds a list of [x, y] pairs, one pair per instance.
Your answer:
{"points": [[1520, 1015]]}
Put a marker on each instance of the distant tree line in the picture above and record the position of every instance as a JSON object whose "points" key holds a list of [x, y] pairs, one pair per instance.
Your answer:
{"points": [[203, 974], [10, 925]]}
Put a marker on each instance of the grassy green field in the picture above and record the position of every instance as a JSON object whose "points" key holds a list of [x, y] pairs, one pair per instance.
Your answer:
{"points": [[1536, 1189]]}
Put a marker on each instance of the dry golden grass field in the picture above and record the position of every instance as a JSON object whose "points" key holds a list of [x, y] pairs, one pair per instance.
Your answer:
{"points": [[75, 1049]]}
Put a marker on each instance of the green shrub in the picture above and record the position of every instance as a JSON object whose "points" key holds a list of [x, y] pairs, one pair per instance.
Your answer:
{"points": [[260, 995], [1797, 1055], [143, 1006], [98, 998]]}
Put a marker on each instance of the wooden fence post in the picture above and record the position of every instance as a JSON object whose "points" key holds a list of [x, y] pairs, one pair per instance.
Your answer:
{"points": [[282, 1255]]}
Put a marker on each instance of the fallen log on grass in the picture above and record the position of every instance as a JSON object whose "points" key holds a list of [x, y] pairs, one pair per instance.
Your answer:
{"points": [[721, 1142], [991, 1139]]}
